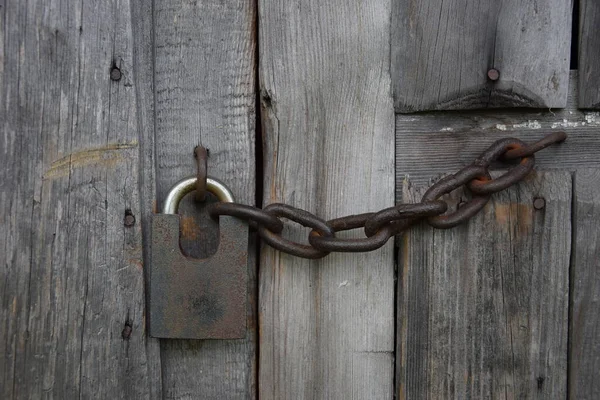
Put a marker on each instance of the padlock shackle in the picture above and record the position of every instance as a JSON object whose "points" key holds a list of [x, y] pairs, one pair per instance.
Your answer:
{"points": [[187, 185]]}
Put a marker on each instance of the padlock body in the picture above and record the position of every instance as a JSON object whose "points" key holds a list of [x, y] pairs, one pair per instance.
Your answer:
{"points": [[198, 298]]}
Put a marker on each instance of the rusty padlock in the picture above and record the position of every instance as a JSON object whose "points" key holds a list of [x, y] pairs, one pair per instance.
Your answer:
{"points": [[198, 298]]}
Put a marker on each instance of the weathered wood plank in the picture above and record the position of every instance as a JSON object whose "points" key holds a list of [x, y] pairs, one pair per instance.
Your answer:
{"points": [[442, 52], [204, 93], [73, 284], [584, 351], [441, 142], [142, 17], [483, 307], [589, 54], [326, 327]]}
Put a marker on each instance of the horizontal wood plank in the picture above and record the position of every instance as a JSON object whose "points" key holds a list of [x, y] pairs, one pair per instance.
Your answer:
{"points": [[72, 314], [589, 54], [442, 52], [326, 326], [483, 307], [435, 143], [584, 351]]}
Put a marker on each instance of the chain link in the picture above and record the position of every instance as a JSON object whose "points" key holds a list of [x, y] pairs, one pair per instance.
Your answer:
{"points": [[379, 227]]}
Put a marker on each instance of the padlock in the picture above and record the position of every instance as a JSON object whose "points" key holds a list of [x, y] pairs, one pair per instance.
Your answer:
{"points": [[197, 298]]}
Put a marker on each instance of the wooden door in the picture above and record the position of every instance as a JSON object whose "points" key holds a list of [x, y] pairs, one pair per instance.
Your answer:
{"points": [[337, 107]]}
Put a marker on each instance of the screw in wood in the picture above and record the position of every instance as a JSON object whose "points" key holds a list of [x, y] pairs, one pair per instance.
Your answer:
{"points": [[493, 74], [539, 203]]}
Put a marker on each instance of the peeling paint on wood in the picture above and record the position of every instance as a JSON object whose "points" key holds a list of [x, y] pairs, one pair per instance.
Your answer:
{"points": [[426, 147]]}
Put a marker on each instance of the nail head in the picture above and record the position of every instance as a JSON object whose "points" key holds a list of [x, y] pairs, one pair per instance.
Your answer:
{"points": [[129, 219], [115, 74], [539, 203], [493, 74]]}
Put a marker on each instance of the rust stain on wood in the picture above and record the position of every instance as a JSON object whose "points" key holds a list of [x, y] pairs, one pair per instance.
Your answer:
{"points": [[518, 215], [139, 264], [107, 156]]}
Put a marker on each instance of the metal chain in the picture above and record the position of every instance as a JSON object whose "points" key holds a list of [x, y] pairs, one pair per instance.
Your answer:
{"points": [[379, 227]]}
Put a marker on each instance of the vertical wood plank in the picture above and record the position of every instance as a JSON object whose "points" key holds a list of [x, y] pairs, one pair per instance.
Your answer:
{"points": [[327, 326], [73, 282], [482, 308], [205, 94], [584, 352], [589, 54], [442, 52]]}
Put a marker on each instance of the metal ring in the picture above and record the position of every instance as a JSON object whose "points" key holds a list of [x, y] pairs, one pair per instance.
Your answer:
{"points": [[447, 185], [351, 245], [254, 215], [302, 217], [187, 185]]}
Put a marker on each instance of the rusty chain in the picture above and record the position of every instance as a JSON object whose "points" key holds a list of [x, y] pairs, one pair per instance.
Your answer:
{"points": [[380, 226]]}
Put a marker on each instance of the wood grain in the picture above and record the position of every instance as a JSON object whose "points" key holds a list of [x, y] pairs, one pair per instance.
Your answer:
{"points": [[326, 327], [204, 83], [442, 51], [584, 349], [589, 54], [72, 291], [441, 142], [483, 307]]}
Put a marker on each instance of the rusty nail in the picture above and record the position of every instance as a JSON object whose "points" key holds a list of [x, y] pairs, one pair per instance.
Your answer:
{"points": [[539, 203], [115, 74], [493, 74], [129, 219]]}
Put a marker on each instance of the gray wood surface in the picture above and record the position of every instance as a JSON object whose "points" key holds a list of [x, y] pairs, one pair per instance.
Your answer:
{"points": [[204, 82], [72, 287], [584, 354], [483, 307], [326, 327], [434, 143], [442, 51], [589, 54]]}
